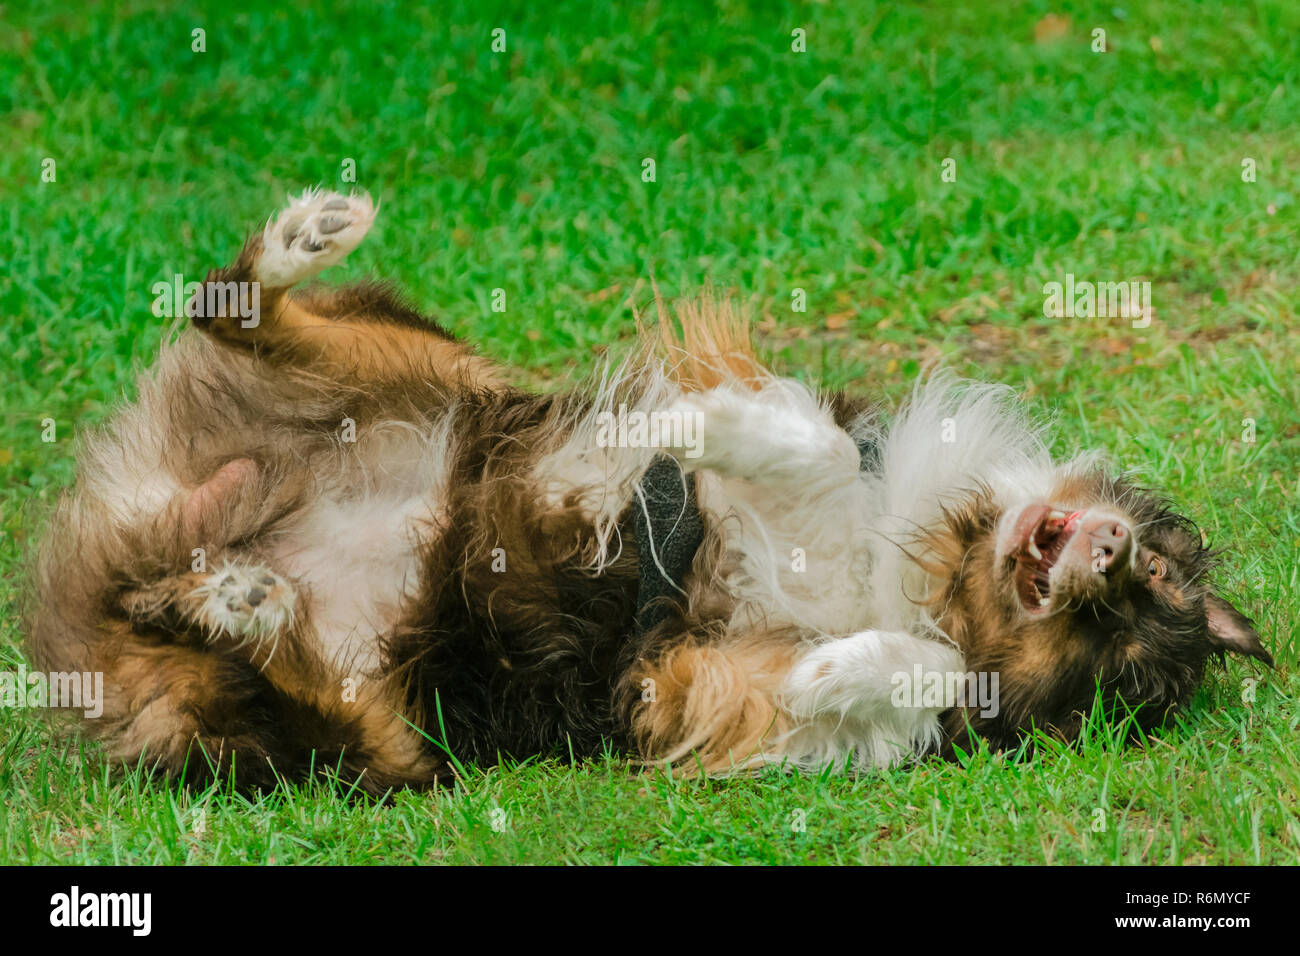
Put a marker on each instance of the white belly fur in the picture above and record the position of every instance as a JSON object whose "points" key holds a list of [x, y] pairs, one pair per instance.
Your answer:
{"points": [[356, 555], [356, 562]]}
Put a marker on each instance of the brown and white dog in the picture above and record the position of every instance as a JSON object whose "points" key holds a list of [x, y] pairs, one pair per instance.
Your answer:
{"points": [[331, 540]]}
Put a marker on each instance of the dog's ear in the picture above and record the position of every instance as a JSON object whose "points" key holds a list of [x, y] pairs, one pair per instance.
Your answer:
{"points": [[1230, 630]]}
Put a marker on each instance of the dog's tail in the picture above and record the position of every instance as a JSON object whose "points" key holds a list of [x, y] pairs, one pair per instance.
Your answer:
{"points": [[704, 341]]}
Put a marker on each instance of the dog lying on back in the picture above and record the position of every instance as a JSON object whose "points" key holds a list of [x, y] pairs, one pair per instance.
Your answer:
{"points": [[329, 539]]}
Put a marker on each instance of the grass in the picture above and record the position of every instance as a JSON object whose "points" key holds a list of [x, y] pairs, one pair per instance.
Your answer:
{"points": [[775, 171]]}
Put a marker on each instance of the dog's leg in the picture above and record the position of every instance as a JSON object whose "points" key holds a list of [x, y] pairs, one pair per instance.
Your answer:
{"points": [[316, 230], [355, 335], [858, 675], [743, 703], [205, 716], [711, 706], [776, 436], [861, 693], [246, 612]]}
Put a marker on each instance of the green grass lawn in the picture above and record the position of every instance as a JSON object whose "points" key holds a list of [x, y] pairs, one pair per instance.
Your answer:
{"points": [[775, 171]]}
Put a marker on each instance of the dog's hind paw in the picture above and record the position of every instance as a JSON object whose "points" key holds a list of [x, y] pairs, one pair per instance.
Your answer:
{"points": [[250, 602], [317, 230]]}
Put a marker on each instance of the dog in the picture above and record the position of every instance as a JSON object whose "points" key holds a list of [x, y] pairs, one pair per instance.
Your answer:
{"points": [[329, 538]]}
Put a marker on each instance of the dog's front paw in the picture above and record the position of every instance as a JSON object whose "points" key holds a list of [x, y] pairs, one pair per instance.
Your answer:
{"points": [[777, 436], [317, 230], [859, 674], [720, 413]]}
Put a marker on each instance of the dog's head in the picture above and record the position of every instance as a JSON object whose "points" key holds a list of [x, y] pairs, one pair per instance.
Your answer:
{"points": [[1098, 586]]}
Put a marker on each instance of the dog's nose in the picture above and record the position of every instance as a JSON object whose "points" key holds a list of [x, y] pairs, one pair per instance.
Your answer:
{"points": [[1111, 543]]}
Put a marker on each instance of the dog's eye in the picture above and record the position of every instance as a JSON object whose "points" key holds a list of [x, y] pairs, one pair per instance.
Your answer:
{"points": [[1156, 567]]}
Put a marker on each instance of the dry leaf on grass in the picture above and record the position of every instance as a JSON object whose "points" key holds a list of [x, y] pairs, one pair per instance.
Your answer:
{"points": [[1051, 27]]}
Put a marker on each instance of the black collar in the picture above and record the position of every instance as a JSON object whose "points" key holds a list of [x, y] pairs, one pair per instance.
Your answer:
{"points": [[669, 531]]}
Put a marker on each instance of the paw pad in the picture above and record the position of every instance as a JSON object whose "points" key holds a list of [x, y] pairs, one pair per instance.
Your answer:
{"points": [[316, 231], [247, 602]]}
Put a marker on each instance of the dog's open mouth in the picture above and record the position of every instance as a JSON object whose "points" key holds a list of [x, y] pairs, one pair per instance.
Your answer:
{"points": [[1046, 532]]}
